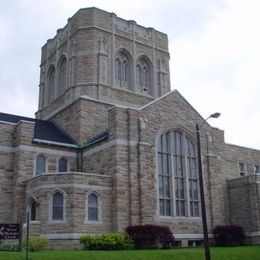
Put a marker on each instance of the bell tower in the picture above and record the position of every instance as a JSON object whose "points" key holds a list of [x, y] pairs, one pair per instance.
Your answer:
{"points": [[104, 57]]}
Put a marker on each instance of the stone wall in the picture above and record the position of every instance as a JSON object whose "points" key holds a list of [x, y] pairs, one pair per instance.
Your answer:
{"points": [[134, 132], [75, 187], [84, 119], [231, 156], [90, 42], [244, 198]]}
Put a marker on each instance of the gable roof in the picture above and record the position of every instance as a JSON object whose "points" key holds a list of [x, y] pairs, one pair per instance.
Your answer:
{"points": [[173, 92], [45, 131]]}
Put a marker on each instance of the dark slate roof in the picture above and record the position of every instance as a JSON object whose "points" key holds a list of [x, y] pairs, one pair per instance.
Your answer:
{"points": [[43, 130]]}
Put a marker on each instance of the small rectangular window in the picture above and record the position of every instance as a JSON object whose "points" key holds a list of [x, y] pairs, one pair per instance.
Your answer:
{"points": [[242, 169], [257, 168]]}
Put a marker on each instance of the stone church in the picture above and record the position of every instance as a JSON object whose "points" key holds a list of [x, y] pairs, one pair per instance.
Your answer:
{"points": [[112, 145]]}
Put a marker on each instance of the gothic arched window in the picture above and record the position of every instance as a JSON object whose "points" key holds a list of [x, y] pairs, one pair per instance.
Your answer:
{"points": [[118, 69], [40, 165], [62, 165], [51, 84], [62, 75], [57, 206], [177, 175], [143, 76], [122, 70], [92, 207]]}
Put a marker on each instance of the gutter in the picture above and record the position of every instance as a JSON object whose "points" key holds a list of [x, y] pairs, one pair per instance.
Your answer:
{"points": [[39, 141]]}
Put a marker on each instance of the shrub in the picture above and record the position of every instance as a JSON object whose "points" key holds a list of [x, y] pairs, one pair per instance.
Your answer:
{"points": [[150, 236], [36, 243], [228, 235], [108, 241]]}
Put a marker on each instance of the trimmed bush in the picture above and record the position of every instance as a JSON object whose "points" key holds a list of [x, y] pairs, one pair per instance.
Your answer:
{"points": [[150, 236], [36, 243], [229, 235], [108, 241]]}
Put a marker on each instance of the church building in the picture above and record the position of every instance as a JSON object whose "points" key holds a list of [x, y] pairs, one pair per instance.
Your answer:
{"points": [[113, 146]]}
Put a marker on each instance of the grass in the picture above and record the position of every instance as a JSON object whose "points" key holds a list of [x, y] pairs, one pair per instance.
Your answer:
{"points": [[217, 253]]}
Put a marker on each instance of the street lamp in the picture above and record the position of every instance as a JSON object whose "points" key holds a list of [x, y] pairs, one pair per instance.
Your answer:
{"points": [[202, 197]]}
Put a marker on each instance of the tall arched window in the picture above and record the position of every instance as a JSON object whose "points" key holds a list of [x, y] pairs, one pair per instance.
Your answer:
{"points": [[62, 165], [143, 75], [33, 210], [51, 84], [62, 75], [57, 206], [138, 75], [122, 70], [177, 175], [117, 69], [93, 207], [40, 165]]}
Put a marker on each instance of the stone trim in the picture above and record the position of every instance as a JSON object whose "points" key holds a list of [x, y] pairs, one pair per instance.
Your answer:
{"points": [[73, 185], [74, 173], [6, 122], [253, 234], [218, 157], [157, 99], [28, 148], [78, 235], [191, 236], [62, 236], [118, 34], [172, 218], [114, 142], [24, 121], [7, 149]]}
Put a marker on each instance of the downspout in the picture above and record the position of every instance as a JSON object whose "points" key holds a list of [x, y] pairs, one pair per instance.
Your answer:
{"points": [[79, 159]]}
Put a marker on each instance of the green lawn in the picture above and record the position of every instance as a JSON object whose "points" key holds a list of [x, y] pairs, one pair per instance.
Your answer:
{"points": [[217, 253]]}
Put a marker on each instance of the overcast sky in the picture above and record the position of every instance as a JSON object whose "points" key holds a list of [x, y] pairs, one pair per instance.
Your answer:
{"points": [[214, 47]]}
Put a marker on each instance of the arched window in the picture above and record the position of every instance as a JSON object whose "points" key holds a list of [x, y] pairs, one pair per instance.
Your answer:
{"points": [[63, 165], [122, 70], [138, 75], [143, 75], [33, 210], [57, 206], [93, 207], [51, 84], [40, 165], [177, 175], [118, 69], [62, 75]]}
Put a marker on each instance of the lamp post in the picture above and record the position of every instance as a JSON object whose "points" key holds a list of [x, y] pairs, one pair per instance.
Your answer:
{"points": [[202, 197]]}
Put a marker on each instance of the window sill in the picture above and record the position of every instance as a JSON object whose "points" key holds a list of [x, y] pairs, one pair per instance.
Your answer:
{"points": [[92, 222], [171, 218], [35, 222], [57, 222]]}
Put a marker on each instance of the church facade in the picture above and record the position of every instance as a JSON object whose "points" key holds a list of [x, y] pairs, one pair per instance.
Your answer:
{"points": [[112, 146]]}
